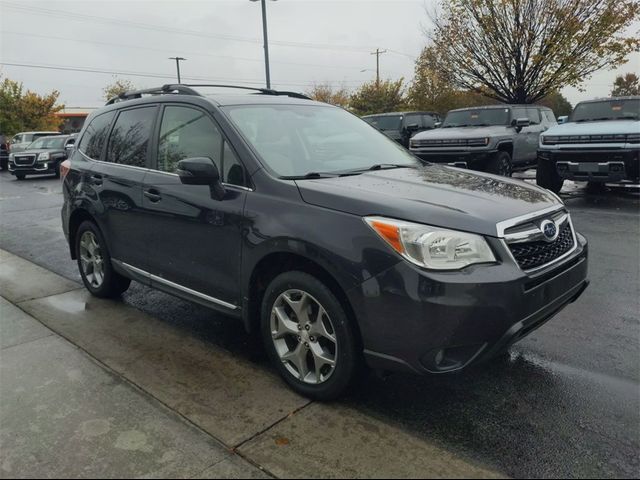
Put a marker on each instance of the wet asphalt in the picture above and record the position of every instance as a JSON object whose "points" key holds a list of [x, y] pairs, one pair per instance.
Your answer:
{"points": [[565, 402]]}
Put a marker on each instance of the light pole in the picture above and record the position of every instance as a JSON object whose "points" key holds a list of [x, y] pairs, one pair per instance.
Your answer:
{"points": [[178, 60], [266, 40]]}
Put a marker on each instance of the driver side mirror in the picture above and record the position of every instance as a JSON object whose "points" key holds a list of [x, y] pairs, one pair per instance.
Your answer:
{"points": [[412, 127], [520, 123], [563, 119], [201, 171]]}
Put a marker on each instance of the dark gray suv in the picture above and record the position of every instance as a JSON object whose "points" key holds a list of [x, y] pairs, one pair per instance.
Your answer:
{"points": [[318, 232]]}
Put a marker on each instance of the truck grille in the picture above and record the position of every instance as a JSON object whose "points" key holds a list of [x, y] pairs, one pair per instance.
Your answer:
{"points": [[536, 254], [24, 160]]}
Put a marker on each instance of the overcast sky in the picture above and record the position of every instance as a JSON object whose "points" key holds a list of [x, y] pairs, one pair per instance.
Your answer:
{"points": [[311, 41]]}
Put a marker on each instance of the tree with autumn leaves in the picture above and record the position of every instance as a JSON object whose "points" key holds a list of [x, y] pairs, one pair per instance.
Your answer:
{"points": [[22, 110], [521, 51]]}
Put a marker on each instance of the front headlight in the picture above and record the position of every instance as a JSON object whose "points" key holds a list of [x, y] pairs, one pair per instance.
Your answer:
{"points": [[432, 247], [43, 156]]}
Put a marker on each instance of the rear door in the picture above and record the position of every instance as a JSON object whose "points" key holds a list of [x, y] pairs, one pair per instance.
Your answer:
{"points": [[196, 239], [118, 183]]}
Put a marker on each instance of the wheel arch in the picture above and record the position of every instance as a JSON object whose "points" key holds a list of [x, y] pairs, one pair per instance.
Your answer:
{"points": [[275, 263], [75, 220]]}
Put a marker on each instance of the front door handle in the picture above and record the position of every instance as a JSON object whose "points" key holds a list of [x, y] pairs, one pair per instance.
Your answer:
{"points": [[153, 195], [96, 179]]}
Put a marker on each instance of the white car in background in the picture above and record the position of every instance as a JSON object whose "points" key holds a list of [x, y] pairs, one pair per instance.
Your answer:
{"points": [[21, 141]]}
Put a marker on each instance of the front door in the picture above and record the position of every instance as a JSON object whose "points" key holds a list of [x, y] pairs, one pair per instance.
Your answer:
{"points": [[196, 239]]}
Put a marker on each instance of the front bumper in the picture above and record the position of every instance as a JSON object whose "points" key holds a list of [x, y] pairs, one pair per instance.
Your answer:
{"points": [[455, 158], [428, 322], [595, 165], [35, 169]]}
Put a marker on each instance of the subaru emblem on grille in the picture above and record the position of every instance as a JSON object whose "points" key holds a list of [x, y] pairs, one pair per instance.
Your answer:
{"points": [[549, 230]]}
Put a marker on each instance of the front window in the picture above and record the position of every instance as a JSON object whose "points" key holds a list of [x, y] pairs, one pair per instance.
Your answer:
{"points": [[481, 117], [296, 140], [49, 143], [614, 109], [386, 122]]}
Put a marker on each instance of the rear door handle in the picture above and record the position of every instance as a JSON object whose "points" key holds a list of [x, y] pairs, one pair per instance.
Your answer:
{"points": [[153, 195]]}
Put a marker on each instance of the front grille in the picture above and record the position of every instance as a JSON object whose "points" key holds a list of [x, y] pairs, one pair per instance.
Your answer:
{"points": [[530, 255], [455, 142], [24, 160], [565, 139]]}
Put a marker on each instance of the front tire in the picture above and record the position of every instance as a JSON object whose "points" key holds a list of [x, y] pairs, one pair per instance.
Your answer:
{"points": [[547, 176], [500, 164], [20, 176], [308, 336], [94, 263]]}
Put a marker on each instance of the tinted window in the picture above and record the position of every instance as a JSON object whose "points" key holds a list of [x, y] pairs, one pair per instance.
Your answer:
{"points": [[549, 116], [129, 138], [413, 120], [188, 133], [386, 122], [48, 143], [533, 114], [614, 109], [519, 112], [95, 135], [429, 121], [477, 117]]}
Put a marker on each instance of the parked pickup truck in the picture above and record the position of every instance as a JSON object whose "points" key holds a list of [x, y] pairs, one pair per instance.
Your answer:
{"points": [[599, 143], [496, 139]]}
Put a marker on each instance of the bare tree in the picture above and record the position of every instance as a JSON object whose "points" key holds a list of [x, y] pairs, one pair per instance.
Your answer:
{"points": [[520, 51]]}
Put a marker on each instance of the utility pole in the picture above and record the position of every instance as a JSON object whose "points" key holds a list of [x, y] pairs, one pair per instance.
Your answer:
{"points": [[266, 40], [377, 53], [177, 59]]}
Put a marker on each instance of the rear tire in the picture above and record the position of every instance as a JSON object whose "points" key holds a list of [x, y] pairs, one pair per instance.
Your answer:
{"points": [[500, 164], [57, 170], [596, 187], [309, 336], [547, 176], [94, 263], [20, 176]]}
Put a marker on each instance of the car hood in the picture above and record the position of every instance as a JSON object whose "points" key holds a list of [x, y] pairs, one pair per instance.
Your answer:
{"points": [[609, 127], [434, 194], [42, 150], [462, 132]]}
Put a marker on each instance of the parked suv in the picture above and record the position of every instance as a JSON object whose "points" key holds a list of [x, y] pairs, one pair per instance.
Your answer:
{"points": [[21, 141], [328, 239], [401, 126], [496, 139], [43, 156], [599, 143]]}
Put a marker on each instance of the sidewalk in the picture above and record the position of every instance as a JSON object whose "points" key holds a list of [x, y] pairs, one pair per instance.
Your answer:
{"points": [[92, 388]]}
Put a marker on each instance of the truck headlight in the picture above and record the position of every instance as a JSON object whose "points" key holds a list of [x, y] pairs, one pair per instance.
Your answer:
{"points": [[432, 247], [43, 156]]}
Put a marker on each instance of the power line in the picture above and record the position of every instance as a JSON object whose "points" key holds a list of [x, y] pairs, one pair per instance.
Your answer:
{"points": [[166, 29], [158, 75], [164, 51]]}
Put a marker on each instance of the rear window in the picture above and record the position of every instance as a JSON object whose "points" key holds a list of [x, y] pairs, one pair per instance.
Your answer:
{"points": [[95, 135], [49, 143]]}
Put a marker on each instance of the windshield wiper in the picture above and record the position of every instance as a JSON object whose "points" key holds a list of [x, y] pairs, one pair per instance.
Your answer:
{"points": [[377, 166], [309, 176]]}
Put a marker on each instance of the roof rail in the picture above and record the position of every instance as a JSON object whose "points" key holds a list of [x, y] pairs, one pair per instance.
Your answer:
{"points": [[188, 89], [263, 91], [164, 90]]}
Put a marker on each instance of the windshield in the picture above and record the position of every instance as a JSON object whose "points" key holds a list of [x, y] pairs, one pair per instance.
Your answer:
{"points": [[476, 118], [614, 109], [48, 143], [296, 140], [385, 122]]}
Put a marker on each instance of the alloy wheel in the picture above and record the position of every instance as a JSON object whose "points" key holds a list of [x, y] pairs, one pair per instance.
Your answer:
{"points": [[304, 337], [91, 259]]}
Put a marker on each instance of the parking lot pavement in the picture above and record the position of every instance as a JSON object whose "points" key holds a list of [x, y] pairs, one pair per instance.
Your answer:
{"points": [[236, 402], [564, 403], [63, 416]]}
